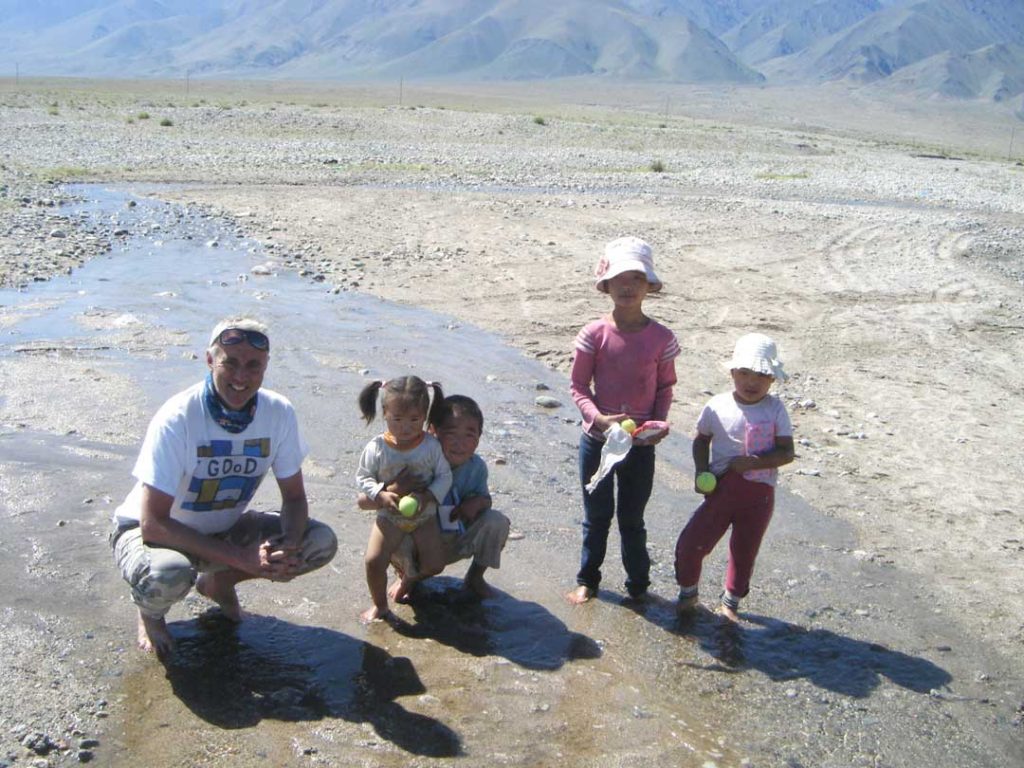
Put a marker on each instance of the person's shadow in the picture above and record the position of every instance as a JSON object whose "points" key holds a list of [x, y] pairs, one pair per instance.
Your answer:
{"points": [[234, 676], [785, 651], [523, 632]]}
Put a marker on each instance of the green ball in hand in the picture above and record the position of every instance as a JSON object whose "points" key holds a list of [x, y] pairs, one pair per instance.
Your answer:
{"points": [[706, 482], [628, 425], [408, 506]]}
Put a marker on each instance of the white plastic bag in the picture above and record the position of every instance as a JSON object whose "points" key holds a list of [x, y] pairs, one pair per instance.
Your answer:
{"points": [[617, 443]]}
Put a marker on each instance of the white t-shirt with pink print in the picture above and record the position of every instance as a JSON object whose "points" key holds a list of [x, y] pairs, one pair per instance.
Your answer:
{"points": [[739, 429]]}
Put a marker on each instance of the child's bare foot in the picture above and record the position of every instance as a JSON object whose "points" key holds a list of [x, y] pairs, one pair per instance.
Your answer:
{"points": [[394, 590], [580, 595], [216, 587], [374, 613], [729, 613], [475, 583], [153, 635], [399, 591]]}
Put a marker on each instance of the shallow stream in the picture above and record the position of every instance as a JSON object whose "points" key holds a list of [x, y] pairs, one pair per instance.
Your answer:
{"points": [[839, 661]]}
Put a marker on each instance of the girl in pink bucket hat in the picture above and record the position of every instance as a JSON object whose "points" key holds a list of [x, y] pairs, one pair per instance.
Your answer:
{"points": [[623, 369], [742, 438]]}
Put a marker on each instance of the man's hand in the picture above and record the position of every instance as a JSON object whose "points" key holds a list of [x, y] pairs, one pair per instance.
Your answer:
{"points": [[279, 561]]}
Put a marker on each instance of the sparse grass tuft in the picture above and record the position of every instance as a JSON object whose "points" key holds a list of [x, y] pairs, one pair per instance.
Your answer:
{"points": [[539, 120], [53, 111], [63, 173], [143, 116], [657, 166], [166, 122]]}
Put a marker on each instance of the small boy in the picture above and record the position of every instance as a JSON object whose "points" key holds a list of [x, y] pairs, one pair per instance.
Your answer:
{"points": [[742, 437], [469, 526]]}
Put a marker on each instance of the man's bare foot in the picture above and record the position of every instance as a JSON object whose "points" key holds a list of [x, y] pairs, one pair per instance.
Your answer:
{"points": [[221, 589], [580, 595], [374, 613], [153, 635], [727, 612], [475, 583]]}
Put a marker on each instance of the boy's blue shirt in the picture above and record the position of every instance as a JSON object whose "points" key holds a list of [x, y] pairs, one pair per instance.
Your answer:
{"points": [[468, 480]]}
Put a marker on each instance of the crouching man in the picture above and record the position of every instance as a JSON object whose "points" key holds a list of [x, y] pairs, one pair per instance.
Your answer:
{"points": [[186, 521]]}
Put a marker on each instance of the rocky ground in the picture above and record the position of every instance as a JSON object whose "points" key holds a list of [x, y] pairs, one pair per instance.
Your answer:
{"points": [[888, 268]]}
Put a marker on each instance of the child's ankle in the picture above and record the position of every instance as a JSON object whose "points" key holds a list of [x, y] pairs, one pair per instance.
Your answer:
{"points": [[687, 598], [730, 601], [688, 593]]}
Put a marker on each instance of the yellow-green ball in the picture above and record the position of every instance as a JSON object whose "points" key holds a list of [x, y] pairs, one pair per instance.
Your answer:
{"points": [[408, 506], [629, 425], [706, 482]]}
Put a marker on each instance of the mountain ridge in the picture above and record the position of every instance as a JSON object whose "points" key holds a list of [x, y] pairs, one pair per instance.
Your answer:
{"points": [[933, 48]]}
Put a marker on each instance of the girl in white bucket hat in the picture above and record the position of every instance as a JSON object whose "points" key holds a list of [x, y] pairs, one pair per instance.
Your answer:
{"points": [[743, 436], [623, 370]]}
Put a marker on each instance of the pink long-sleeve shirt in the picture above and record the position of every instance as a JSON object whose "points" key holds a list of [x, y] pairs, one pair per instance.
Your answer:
{"points": [[616, 372]]}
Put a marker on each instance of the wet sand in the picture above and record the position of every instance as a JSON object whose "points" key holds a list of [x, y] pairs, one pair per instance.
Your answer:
{"points": [[891, 281]]}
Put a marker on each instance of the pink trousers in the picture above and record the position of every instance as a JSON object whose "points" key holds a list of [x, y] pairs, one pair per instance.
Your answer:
{"points": [[746, 506]]}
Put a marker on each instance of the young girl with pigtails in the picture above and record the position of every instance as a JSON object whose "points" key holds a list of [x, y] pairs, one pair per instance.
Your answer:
{"points": [[404, 449]]}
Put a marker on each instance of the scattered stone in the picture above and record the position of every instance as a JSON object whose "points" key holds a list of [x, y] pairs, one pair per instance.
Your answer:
{"points": [[38, 742], [546, 401]]}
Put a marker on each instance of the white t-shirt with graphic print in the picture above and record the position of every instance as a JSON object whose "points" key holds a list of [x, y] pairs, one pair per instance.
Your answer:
{"points": [[213, 474], [738, 429]]}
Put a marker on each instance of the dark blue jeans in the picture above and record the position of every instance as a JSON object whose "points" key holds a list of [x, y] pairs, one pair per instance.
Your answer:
{"points": [[633, 478]]}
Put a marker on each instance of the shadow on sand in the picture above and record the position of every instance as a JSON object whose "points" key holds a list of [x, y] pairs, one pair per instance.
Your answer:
{"points": [[234, 676], [523, 632], [785, 651]]}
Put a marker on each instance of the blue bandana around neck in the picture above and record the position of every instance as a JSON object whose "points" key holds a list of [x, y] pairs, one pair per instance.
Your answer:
{"points": [[231, 421]]}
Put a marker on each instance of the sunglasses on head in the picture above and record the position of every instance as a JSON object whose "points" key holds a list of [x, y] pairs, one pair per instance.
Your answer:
{"points": [[231, 336]]}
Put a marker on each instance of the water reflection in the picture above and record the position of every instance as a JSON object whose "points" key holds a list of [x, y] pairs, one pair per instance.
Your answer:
{"points": [[236, 675]]}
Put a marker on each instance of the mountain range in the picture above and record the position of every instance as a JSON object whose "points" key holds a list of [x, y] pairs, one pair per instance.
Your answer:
{"points": [[960, 49]]}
